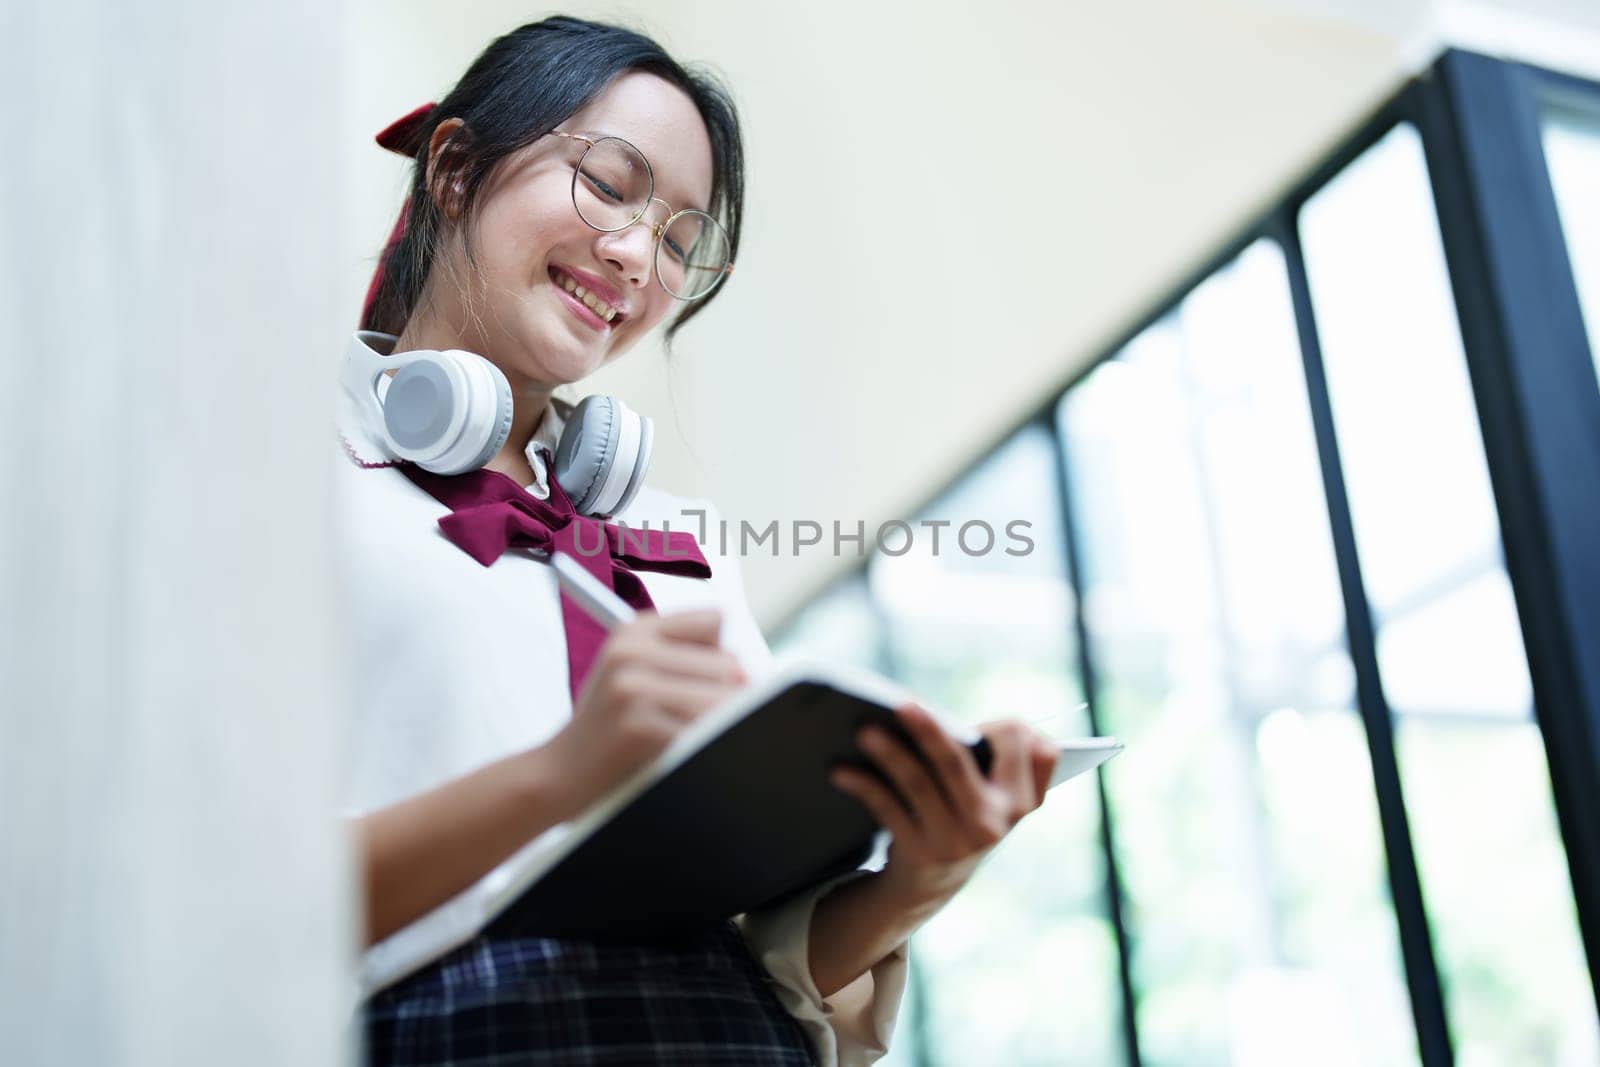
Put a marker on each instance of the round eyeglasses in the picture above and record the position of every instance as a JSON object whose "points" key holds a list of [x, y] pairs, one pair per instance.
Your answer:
{"points": [[612, 187]]}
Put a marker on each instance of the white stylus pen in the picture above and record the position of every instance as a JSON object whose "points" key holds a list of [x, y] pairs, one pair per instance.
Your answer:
{"points": [[604, 606]]}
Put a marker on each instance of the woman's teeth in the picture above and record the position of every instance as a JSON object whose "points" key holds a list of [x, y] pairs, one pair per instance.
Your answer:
{"points": [[594, 303]]}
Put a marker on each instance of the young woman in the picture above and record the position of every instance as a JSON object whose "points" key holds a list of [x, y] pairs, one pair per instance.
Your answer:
{"points": [[577, 189]]}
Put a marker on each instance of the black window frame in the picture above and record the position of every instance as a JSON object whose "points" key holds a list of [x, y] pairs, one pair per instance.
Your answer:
{"points": [[1538, 403]]}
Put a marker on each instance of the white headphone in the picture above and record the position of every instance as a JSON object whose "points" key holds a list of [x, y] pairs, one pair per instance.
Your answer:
{"points": [[450, 412]]}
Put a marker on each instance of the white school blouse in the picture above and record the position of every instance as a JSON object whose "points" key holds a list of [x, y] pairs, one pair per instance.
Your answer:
{"points": [[452, 665]]}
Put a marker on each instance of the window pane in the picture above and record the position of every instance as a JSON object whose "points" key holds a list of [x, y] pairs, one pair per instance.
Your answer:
{"points": [[840, 626], [1244, 807], [1449, 648], [1572, 150], [1021, 968]]}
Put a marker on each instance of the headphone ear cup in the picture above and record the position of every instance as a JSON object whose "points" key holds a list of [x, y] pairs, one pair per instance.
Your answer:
{"points": [[628, 433], [490, 410], [472, 406], [424, 408], [450, 412], [602, 456], [647, 440], [587, 451]]}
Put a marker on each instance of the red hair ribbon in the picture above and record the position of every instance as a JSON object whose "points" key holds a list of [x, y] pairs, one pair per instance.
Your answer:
{"points": [[402, 137]]}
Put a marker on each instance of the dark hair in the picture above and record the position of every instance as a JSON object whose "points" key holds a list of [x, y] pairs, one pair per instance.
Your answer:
{"points": [[516, 92]]}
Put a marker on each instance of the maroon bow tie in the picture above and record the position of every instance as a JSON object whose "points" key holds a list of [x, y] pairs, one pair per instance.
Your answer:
{"points": [[490, 512]]}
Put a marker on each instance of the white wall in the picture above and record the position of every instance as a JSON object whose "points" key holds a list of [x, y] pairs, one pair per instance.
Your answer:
{"points": [[893, 312], [173, 891]]}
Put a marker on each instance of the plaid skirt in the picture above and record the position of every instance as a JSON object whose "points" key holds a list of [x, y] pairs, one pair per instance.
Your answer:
{"points": [[543, 1000]]}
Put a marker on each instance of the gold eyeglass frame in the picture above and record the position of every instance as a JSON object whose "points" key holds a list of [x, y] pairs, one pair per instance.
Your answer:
{"points": [[657, 229]]}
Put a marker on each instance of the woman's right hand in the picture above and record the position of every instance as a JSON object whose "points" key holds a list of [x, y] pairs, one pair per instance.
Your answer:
{"points": [[650, 679]]}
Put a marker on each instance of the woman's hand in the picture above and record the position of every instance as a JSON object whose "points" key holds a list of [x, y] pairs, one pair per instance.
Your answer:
{"points": [[651, 678], [952, 815]]}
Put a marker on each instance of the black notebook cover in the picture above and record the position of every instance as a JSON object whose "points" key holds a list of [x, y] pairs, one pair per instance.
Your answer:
{"points": [[743, 822]]}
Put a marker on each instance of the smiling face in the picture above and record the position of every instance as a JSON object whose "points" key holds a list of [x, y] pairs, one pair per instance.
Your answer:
{"points": [[530, 245]]}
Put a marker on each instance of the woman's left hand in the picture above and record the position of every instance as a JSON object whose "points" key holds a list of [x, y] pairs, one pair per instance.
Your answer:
{"points": [[952, 816]]}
